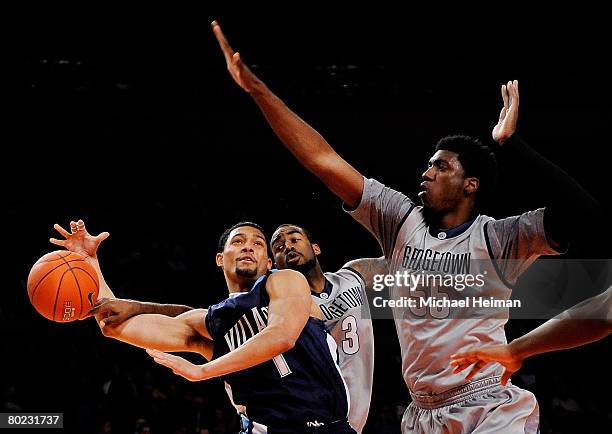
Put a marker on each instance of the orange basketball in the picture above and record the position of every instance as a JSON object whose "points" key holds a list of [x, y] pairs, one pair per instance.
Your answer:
{"points": [[62, 286]]}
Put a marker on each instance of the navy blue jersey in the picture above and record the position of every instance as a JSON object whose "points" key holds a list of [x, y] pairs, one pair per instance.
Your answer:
{"points": [[298, 386]]}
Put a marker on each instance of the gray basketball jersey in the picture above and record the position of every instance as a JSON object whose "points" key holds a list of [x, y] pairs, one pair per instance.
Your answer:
{"points": [[346, 314], [428, 335]]}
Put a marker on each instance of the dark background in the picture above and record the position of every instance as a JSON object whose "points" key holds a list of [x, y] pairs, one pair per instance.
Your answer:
{"points": [[129, 120]]}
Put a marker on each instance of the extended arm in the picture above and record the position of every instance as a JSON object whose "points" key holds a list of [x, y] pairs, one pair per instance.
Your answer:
{"points": [[80, 241], [288, 314], [369, 268], [116, 317], [186, 332], [587, 322], [562, 191], [306, 144], [114, 311]]}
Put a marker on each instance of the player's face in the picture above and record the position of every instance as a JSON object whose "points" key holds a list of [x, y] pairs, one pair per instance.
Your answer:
{"points": [[443, 182], [292, 249], [245, 253]]}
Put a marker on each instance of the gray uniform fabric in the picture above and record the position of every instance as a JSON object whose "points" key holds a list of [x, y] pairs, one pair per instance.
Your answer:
{"points": [[428, 338], [346, 315]]}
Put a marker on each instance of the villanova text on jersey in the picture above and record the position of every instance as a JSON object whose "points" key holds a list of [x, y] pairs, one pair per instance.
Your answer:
{"points": [[299, 386]]}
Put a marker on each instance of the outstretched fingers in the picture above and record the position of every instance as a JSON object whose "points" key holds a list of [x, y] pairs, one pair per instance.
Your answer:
{"points": [[477, 367], [57, 242], [63, 232], [506, 376], [228, 52], [514, 92], [99, 305], [165, 359], [504, 93], [101, 237]]}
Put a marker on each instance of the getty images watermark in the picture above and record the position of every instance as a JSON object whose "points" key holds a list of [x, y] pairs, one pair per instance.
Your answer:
{"points": [[483, 289], [438, 297]]}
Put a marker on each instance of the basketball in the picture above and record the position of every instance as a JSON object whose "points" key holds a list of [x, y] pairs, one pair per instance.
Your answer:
{"points": [[62, 286]]}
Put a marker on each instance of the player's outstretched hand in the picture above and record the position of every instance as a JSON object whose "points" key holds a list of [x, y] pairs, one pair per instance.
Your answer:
{"points": [[508, 117], [78, 240], [241, 73], [179, 366], [110, 312], [480, 358]]}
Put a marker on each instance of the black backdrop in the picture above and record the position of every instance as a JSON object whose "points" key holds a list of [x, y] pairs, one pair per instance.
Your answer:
{"points": [[128, 119]]}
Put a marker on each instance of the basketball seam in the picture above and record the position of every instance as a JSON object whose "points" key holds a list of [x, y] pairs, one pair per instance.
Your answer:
{"points": [[59, 288], [56, 259], [49, 272], [78, 286], [92, 279]]}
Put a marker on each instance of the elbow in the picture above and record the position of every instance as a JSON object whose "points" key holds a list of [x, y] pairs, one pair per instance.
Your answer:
{"points": [[285, 343]]}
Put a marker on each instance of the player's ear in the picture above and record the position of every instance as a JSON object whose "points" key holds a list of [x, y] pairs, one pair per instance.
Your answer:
{"points": [[269, 264], [316, 249], [219, 260], [471, 185]]}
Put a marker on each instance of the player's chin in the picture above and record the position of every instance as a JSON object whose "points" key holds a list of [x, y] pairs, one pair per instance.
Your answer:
{"points": [[295, 262], [246, 270], [424, 198]]}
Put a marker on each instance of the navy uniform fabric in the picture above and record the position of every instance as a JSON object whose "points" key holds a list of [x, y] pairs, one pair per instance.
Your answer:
{"points": [[299, 386]]}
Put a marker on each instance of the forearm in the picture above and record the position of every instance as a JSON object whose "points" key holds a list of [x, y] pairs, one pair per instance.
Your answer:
{"points": [[171, 310], [155, 331], [105, 291], [309, 147], [561, 191], [264, 346], [560, 334]]}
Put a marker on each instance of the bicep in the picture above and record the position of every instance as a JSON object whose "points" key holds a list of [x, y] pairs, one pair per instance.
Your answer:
{"points": [[368, 268], [516, 242], [290, 303], [340, 177]]}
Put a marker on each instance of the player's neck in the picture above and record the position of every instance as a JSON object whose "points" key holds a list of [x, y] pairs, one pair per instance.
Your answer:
{"points": [[453, 218], [240, 284], [316, 279]]}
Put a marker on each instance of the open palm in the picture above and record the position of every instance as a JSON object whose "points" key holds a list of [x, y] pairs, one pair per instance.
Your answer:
{"points": [[508, 117], [241, 74], [78, 240]]}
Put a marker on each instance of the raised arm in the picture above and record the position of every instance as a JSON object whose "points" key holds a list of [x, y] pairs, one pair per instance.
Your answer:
{"points": [[120, 319], [80, 241], [368, 268], [587, 322], [289, 309], [306, 144], [560, 190]]}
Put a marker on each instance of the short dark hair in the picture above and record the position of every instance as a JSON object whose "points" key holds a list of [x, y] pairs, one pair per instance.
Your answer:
{"points": [[306, 231], [225, 234], [477, 159]]}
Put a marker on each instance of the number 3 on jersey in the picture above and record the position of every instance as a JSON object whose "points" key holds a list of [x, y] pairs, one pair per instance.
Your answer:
{"points": [[350, 343]]}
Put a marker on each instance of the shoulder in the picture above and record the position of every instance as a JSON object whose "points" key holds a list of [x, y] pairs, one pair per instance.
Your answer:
{"points": [[377, 192], [287, 280], [530, 221]]}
